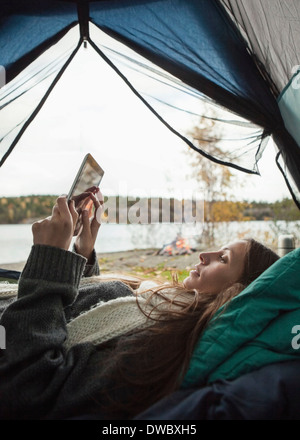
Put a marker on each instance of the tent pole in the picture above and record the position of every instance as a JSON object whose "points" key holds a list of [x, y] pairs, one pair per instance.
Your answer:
{"points": [[83, 19]]}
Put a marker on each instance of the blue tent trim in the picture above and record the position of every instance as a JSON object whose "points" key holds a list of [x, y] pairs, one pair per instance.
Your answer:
{"points": [[9, 275], [196, 42], [28, 28]]}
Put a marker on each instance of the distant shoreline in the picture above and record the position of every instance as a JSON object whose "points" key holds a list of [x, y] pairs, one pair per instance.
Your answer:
{"points": [[28, 209]]}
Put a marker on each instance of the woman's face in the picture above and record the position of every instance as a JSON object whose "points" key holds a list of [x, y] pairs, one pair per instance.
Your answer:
{"points": [[218, 270]]}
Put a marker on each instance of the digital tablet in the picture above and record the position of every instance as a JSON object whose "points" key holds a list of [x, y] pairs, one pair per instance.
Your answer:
{"points": [[86, 181]]}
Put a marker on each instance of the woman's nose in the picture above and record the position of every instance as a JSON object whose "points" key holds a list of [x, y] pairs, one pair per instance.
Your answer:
{"points": [[207, 257], [204, 257]]}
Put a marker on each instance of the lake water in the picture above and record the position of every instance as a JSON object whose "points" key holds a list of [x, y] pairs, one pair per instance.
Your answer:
{"points": [[16, 240]]}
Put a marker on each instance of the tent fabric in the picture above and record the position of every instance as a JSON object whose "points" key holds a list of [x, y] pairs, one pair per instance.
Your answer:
{"points": [[214, 31], [272, 31], [289, 104], [262, 22], [178, 102], [197, 43], [219, 48], [255, 146], [28, 28]]}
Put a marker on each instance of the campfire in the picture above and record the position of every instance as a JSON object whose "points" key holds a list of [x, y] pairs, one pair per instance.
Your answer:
{"points": [[179, 246]]}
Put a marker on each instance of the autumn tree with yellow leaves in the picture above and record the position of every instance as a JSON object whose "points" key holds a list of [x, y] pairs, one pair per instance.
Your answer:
{"points": [[216, 181]]}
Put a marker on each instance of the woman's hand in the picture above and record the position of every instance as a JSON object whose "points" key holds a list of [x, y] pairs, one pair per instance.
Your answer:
{"points": [[57, 230], [86, 238]]}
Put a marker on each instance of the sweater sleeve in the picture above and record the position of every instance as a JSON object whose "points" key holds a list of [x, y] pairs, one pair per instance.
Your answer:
{"points": [[35, 364], [91, 268]]}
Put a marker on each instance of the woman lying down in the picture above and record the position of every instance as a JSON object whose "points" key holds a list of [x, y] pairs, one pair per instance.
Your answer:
{"points": [[79, 345]]}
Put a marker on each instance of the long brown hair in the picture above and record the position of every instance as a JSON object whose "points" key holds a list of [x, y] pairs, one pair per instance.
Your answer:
{"points": [[146, 365]]}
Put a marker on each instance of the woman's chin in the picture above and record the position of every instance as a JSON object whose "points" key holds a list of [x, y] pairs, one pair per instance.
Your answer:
{"points": [[185, 282], [188, 283]]}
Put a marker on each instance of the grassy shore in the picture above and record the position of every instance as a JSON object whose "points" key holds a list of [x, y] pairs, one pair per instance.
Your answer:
{"points": [[145, 263]]}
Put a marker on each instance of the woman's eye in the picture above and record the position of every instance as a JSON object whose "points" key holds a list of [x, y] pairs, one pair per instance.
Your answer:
{"points": [[222, 259]]}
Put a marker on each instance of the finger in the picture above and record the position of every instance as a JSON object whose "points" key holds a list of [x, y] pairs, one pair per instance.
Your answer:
{"points": [[97, 213], [81, 196], [55, 210], [85, 221], [99, 196], [89, 207], [92, 189], [96, 223], [35, 226], [63, 207], [42, 220], [37, 229], [95, 200], [73, 212]]}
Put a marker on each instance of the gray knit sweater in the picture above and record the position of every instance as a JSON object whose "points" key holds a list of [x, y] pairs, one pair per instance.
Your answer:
{"points": [[39, 377]]}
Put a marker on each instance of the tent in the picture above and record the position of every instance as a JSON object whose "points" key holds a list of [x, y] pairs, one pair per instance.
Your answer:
{"points": [[239, 54]]}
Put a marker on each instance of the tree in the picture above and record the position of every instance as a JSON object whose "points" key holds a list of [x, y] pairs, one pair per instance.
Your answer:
{"points": [[215, 180]]}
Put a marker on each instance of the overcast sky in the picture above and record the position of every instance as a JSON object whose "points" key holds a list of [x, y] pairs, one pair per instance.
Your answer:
{"points": [[139, 154]]}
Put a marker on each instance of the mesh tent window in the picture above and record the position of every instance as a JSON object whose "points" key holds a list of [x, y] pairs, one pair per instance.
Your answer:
{"points": [[192, 47]]}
